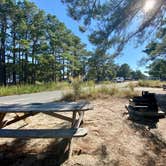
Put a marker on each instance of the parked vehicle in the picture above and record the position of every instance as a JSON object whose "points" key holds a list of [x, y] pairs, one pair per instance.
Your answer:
{"points": [[119, 79]]}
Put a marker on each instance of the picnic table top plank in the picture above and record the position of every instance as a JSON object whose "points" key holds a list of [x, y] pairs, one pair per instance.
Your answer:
{"points": [[46, 107], [43, 133]]}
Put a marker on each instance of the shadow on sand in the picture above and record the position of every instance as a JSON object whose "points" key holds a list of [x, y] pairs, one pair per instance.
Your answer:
{"points": [[55, 154], [151, 123]]}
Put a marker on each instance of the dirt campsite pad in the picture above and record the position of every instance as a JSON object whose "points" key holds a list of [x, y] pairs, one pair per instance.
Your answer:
{"points": [[112, 140]]}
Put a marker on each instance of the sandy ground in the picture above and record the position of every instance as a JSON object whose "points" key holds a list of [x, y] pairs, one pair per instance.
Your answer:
{"points": [[112, 140]]}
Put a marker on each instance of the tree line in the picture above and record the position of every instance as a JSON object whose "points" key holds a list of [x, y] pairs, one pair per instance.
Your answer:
{"points": [[114, 20], [35, 46], [102, 67], [156, 51]]}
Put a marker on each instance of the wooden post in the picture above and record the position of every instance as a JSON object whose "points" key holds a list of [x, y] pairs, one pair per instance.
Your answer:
{"points": [[2, 115], [70, 139], [70, 148], [73, 119]]}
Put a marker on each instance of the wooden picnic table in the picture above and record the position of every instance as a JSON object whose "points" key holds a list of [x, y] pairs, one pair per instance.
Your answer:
{"points": [[54, 109]]}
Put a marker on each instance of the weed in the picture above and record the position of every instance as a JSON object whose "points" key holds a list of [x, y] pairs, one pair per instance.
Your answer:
{"points": [[76, 84]]}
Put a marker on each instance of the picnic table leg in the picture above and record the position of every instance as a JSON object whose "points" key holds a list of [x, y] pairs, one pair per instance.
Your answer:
{"points": [[2, 115], [75, 124], [80, 119], [73, 119], [70, 139], [70, 148]]}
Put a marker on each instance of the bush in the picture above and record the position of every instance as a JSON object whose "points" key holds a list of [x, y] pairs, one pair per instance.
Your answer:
{"points": [[76, 85]]}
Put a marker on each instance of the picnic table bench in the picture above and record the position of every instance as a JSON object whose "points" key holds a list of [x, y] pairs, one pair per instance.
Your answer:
{"points": [[53, 109]]}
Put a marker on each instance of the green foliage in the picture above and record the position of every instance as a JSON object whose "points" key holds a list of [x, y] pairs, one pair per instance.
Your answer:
{"points": [[138, 75], [124, 71], [156, 48], [158, 69], [36, 46], [101, 67], [112, 20], [156, 53]]}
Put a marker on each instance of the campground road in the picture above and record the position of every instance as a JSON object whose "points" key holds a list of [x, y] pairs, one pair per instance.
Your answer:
{"points": [[41, 97]]}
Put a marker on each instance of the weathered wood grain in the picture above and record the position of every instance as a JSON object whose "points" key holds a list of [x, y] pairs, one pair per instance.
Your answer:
{"points": [[47, 107], [58, 116], [2, 115], [43, 133], [18, 118]]}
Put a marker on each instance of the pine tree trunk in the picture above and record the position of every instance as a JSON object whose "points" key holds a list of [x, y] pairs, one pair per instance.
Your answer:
{"points": [[14, 57], [2, 53], [33, 63]]}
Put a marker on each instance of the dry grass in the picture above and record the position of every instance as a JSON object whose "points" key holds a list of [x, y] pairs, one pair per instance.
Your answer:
{"points": [[92, 92], [128, 93], [151, 83], [25, 89]]}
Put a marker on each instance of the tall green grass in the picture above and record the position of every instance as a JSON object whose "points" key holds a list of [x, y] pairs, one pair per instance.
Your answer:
{"points": [[25, 89]]}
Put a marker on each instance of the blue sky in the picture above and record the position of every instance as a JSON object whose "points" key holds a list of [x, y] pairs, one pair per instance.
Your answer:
{"points": [[131, 55]]}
